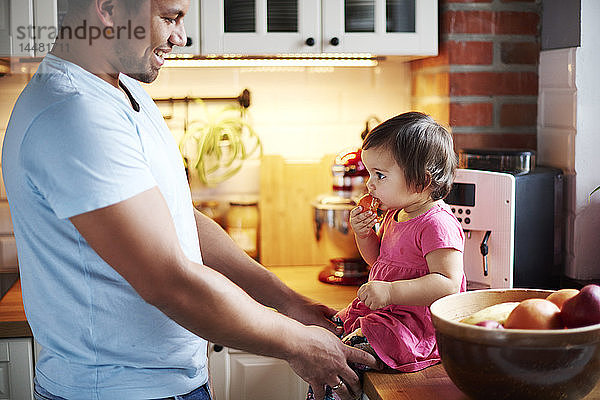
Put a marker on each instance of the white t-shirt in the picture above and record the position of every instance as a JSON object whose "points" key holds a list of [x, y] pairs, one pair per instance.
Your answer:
{"points": [[75, 144]]}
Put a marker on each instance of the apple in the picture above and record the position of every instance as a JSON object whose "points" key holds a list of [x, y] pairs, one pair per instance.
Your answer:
{"points": [[370, 203], [582, 309], [490, 324]]}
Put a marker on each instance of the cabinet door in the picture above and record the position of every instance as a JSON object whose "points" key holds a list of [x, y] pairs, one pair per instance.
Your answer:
{"points": [[17, 20], [237, 375], [28, 27], [47, 24], [392, 27], [16, 369], [260, 27], [265, 378]]}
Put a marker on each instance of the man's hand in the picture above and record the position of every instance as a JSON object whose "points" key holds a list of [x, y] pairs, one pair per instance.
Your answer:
{"points": [[323, 360], [309, 312], [362, 223], [376, 294]]}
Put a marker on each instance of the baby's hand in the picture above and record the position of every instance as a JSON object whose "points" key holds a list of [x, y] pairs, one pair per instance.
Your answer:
{"points": [[376, 294], [361, 222]]}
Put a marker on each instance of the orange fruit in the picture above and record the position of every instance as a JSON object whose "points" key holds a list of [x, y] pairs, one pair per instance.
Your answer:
{"points": [[562, 295], [534, 314]]}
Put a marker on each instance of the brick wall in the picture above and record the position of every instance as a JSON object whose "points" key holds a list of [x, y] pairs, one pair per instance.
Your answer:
{"points": [[484, 82]]}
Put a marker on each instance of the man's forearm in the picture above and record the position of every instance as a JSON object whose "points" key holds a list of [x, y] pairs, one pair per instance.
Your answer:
{"points": [[221, 253], [208, 304]]}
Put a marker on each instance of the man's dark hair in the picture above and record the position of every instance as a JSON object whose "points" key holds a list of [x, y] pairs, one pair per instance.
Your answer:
{"points": [[422, 148], [78, 6]]}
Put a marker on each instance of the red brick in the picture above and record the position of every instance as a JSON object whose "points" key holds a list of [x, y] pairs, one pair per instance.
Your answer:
{"points": [[520, 52], [495, 140], [471, 114], [493, 83], [518, 115], [488, 22], [466, 1], [467, 22], [516, 23], [470, 53]]}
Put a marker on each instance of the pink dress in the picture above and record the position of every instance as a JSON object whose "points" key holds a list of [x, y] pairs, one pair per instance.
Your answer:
{"points": [[403, 336]]}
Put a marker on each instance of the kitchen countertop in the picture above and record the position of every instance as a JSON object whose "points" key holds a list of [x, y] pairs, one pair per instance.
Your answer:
{"points": [[13, 322], [430, 383]]}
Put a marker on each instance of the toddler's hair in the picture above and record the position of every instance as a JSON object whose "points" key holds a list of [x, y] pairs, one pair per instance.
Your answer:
{"points": [[422, 148]]}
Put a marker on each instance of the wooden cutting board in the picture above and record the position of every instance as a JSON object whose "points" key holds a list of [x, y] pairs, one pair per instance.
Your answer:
{"points": [[287, 189]]}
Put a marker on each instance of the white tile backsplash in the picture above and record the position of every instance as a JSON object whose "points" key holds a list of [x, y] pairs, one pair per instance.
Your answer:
{"points": [[556, 147], [557, 68], [558, 108], [569, 100], [181, 82], [331, 103], [299, 113], [557, 130], [557, 105]]}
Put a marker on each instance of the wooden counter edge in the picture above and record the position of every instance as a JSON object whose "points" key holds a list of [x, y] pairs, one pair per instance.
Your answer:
{"points": [[13, 322], [427, 384]]}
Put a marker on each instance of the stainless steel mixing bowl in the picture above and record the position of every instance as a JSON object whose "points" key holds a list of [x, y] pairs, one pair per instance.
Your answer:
{"points": [[332, 226]]}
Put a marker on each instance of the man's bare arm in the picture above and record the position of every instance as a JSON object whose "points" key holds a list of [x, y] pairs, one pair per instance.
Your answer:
{"points": [[221, 253], [137, 238]]}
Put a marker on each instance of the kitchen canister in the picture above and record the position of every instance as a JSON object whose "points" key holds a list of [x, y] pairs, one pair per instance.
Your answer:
{"points": [[241, 224]]}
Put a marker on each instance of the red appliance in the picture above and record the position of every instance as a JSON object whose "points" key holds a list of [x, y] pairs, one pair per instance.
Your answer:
{"points": [[332, 226]]}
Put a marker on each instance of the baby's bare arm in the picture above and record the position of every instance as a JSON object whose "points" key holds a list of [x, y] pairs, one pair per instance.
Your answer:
{"points": [[445, 277], [367, 240]]}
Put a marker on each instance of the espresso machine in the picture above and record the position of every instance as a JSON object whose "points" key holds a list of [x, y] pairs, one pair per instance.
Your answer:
{"points": [[334, 235], [511, 213]]}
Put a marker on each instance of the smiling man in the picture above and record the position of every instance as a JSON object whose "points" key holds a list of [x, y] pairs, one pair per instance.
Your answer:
{"points": [[123, 281]]}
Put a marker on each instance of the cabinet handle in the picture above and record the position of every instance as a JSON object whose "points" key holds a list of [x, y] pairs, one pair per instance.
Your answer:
{"points": [[334, 41], [310, 41], [217, 348]]}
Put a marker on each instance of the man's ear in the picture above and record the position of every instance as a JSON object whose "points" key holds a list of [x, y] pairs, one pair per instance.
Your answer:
{"points": [[105, 11]]}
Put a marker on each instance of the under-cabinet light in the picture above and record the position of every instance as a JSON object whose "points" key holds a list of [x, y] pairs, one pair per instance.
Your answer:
{"points": [[284, 60]]}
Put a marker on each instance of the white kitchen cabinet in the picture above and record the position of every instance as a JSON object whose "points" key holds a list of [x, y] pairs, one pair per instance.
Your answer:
{"points": [[262, 27], [237, 375], [16, 369], [29, 27]]}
